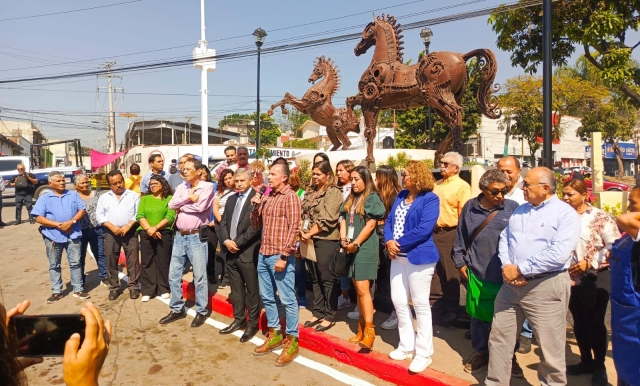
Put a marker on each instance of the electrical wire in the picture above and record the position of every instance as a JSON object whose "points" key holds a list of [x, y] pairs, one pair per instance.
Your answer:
{"points": [[70, 11]]}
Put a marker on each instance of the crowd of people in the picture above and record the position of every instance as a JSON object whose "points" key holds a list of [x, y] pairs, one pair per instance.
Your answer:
{"points": [[525, 255]]}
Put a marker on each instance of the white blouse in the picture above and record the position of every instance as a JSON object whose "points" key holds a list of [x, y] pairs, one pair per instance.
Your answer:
{"points": [[222, 199], [598, 233]]}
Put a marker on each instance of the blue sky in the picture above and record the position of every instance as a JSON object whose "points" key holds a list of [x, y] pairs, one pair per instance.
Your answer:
{"points": [[119, 31]]}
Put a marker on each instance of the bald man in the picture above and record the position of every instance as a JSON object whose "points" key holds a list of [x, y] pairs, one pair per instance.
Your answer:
{"points": [[535, 252]]}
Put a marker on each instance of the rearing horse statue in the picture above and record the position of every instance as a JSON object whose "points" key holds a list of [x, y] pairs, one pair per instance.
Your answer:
{"points": [[317, 103], [438, 80]]}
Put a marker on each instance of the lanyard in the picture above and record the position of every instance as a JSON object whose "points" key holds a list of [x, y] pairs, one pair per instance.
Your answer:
{"points": [[353, 211], [311, 204]]}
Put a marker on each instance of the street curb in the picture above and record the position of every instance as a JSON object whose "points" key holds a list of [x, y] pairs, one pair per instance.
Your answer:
{"points": [[322, 343]]}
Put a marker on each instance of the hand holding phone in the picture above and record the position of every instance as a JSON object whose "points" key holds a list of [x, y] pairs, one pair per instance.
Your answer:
{"points": [[19, 309]]}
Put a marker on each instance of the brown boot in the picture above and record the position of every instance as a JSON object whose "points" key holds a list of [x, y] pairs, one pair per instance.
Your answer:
{"points": [[273, 340], [360, 334], [289, 351], [369, 336]]}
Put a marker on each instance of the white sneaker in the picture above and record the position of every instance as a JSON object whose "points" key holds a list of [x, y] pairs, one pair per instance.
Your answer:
{"points": [[391, 323], [354, 315], [419, 364], [399, 355], [343, 302], [145, 298], [165, 295]]}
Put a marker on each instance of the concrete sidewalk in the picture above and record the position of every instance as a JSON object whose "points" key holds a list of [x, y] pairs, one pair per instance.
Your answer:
{"points": [[451, 349]]}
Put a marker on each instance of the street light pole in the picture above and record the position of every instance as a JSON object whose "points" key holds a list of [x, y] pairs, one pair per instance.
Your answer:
{"points": [[259, 34], [426, 35], [546, 84]]}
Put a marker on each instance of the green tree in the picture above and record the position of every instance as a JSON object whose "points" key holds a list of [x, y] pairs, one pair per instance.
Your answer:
{"points": [[291, 122], [413, 131], [269, 130], [599, 28], [614, 121], [522, 103]]}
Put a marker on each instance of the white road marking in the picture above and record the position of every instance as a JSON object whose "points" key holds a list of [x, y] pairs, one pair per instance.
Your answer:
{"points": [[327, 370]]}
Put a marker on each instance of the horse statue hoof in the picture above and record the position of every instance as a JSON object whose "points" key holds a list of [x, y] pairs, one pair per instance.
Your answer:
{"points": [[270, 112]]}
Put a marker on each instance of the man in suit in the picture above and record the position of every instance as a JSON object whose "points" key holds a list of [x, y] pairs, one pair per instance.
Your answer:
{"points": [[241, 243]]}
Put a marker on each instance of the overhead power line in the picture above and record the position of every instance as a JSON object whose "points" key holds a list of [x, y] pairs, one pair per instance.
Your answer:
{"points": [[70, 11], [281, 48]]}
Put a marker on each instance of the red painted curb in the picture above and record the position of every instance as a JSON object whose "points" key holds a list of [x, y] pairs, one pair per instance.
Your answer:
{"points": [[322, 343]]}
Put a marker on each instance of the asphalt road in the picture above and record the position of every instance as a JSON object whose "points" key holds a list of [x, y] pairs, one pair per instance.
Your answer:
{"points": [[142, 351]]}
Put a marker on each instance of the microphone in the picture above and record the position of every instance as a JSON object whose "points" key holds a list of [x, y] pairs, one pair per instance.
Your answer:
{"points": [[261, 193]]}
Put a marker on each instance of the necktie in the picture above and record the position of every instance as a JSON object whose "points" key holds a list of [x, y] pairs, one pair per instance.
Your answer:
{"points": [[233, 232]]}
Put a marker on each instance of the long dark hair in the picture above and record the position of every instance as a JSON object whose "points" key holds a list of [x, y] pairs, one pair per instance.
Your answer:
{"points": [[221, 186], [324, 157], [325, 168], [166, 188], [387, 185], [206, 171], [369, 187], [10, 373]]}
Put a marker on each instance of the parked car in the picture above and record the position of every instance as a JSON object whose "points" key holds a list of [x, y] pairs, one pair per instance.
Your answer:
{"points": [[580, 168], [608, 185]]}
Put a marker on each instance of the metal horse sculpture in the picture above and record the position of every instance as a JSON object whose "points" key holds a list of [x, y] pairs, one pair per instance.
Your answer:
{"points": [[317, 103], [438, 80]]}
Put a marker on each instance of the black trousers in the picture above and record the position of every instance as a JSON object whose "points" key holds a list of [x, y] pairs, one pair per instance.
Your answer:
{"points": [[445, 285], [216, 265], [155, 256], [589, 327], [26, 200], [245, 291], [326, 286], [112, 246]]}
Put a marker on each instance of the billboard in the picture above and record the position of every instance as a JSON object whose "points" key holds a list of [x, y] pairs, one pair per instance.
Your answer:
{"points": [[628, 151]]}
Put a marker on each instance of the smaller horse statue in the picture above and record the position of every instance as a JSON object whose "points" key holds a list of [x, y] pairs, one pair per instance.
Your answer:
{"points": [[317, 103]]}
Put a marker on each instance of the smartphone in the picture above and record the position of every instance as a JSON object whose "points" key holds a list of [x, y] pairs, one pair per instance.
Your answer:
{"points": [[45, 335], [203, 233]]}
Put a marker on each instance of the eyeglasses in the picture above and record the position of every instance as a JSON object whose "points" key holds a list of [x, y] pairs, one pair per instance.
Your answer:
{"points": [[187, 169], [496, 192], [445, 164], [527, 185], [20, 168]]}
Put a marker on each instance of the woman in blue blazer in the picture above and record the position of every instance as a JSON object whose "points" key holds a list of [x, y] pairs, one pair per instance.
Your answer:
{"points": [[408, 239]]}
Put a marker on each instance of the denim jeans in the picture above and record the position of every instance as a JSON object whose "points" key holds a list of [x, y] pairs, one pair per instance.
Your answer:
{"points": [[301, 282], [54, 254], [345, 283], [271, 281], [189, 247], [94, 238], [527, 332], [480, 336]]}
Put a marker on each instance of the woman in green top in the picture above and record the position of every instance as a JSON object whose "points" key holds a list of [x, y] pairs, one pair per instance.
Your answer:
{"points": [[156, 238], [360, 213]]}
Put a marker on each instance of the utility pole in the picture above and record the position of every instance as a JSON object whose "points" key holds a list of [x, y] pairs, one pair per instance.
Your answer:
{"points": [[205, 60], [111, 130]]}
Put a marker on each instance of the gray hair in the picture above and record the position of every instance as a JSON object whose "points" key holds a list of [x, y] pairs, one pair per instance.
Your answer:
{"points": [[492, 176], [242, 147], [547, 177], [55, 173], [78, 177], [457, 158], [242, 171]]}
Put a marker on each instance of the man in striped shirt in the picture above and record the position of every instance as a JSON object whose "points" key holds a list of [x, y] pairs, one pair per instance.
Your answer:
{"points": [[279, 216]]}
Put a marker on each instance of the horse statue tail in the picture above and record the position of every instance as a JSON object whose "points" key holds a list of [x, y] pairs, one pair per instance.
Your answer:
{"points": [[487, 103]]}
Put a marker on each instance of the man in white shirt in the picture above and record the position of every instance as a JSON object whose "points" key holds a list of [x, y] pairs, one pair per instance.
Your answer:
{"points": [[510, 166], [116, 212]]}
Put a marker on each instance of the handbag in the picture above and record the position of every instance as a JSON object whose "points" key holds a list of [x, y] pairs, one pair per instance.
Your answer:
{"points": [[340, 262]]}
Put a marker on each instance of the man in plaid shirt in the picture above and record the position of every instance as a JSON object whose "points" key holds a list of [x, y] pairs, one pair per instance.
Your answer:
{"points": [[279, 216]]}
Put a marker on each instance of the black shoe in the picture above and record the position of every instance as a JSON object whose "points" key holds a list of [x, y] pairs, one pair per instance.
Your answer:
{"points": [[212, 279], [134, 294], [173, 316], [321, 328], [105, 282], [113, 295], [18, 222], [516, 370], [599, 377], [580, 368], [198, 320], [311, 323], [2, 224], [54, 298], [235, 326], [467, 334], [32, 221], [449, 317], [223, 284], [525, 345], [249, 333]]}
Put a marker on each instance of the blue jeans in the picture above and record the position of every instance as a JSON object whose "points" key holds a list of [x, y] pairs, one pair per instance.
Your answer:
{"points": [[284, 283], [94, 238], [54, 254], [189, 247], [480, 336], [345, 283], [301, 282], [527, 332]]}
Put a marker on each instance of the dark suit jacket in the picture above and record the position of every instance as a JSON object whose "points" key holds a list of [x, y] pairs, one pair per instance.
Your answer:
{"points": [[248, 237]]}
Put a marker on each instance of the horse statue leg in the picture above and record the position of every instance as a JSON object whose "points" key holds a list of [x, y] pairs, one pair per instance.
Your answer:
{"points": [[370, 121], [333, 137], [451, 112], [300, 104]]}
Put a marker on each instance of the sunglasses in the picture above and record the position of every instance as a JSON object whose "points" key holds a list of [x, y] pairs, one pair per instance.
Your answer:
{"points": [[445, 164], [527, 185], [496, 192]]}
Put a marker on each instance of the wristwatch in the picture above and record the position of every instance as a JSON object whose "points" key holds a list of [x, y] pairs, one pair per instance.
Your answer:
{"points": [[73, 221], [357, 245], [284, 257]]}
